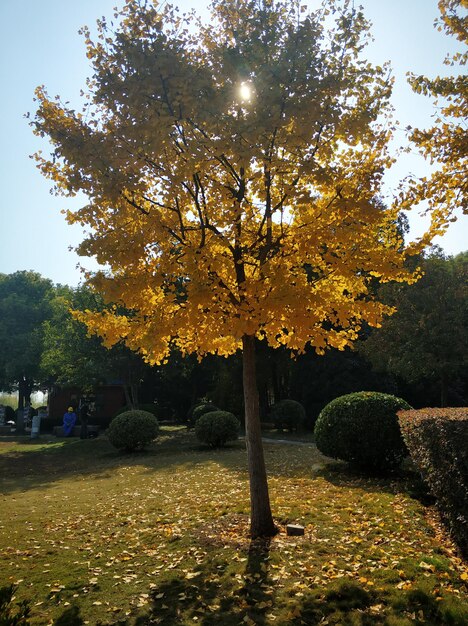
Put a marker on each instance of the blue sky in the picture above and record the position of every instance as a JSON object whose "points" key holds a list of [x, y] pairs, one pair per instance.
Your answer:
{"points": [[39, 44]]}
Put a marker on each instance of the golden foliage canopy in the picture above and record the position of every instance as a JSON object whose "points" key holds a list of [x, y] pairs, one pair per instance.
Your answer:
{"points": [[445, 144], [233, 173]]}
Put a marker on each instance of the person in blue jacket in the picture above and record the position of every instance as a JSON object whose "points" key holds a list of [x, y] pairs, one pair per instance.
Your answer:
{"points": [[69, 421]]}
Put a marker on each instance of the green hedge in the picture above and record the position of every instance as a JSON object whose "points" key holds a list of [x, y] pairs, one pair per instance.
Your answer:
{"points": [[362, 428], [437, 440]]}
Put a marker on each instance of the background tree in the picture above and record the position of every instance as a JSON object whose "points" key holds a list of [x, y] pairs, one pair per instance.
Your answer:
{"points": [[426, 339], [71, 357], [445, 143], [317, 380], [25, 299], [232, 173]]}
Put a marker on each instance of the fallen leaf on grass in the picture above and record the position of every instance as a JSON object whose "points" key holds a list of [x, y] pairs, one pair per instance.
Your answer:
{"points": [[296, 612], [263, 605], [427, 566], [404, 585]]}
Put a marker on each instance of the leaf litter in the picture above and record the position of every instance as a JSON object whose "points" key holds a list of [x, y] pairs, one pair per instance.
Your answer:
{"points": [[167, 534]]}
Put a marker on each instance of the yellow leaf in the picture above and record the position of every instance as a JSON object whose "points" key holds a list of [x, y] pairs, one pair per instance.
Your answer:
{"points": [[427, 566]]}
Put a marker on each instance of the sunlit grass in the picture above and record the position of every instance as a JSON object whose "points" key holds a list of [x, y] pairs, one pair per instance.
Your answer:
{"points": [[8, 399], [11, 399], [90, 534]]}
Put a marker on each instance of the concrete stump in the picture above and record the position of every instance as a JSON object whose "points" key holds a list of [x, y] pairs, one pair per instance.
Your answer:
{"points": [[294, 530]]}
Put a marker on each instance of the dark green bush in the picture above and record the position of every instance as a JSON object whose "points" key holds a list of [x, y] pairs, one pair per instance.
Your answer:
{"points": [[197, 410], [151, 407], [189, 417], [160, 411], [133, 430], [216, 428], [202, 409], [288, 415], [362, 428], [437, 440]]}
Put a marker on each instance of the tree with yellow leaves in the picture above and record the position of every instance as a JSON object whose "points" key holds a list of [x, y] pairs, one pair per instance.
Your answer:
{"points": [[445, 143], [233, 173]]}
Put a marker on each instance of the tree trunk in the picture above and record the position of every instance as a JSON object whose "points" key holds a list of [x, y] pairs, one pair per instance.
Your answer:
{"points": [[274, 380], [134, 394], [20, 399], [261, 520], [24, 392], [128, 399], [443, 392]]}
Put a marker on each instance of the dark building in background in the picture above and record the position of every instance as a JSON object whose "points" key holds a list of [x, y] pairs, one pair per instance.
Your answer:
{"points": [[104, 400]]}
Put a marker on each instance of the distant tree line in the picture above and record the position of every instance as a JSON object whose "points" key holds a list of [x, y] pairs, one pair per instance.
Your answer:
{"points": [[420, 353]]}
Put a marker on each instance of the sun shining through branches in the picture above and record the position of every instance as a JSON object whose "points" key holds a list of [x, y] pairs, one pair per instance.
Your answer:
{"points": [[245, 91]]}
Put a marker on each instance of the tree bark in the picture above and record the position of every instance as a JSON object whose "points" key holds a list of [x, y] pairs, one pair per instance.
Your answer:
{"points": [[134, 394], [443, 392], [24, 392], [261, 520], [128, 399], [21, 395], [274, 380]]}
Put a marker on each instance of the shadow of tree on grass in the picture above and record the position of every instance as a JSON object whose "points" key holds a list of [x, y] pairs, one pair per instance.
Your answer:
{"points": [[249, 599], [216, 594], [41, 466], [405, 479], [70, 617]]}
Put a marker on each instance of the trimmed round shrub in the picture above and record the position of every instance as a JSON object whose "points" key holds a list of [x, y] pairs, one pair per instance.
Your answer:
{"points": [[123, 409], [149, 408], [160, 411], [362, 428], [288, 414], [216, 428], [202, 409], [200, 403], [133, 430]]}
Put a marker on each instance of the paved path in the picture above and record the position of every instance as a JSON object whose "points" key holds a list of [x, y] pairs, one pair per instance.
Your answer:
{"points": [[291, 441]]}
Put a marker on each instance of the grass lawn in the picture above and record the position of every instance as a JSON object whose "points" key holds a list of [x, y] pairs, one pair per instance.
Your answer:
{"points": [[284, 435], [90, 536]]}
